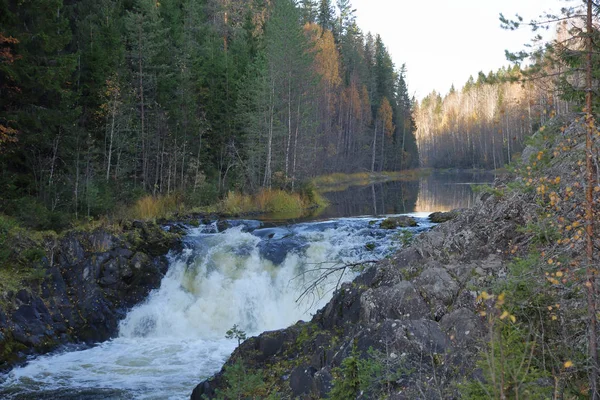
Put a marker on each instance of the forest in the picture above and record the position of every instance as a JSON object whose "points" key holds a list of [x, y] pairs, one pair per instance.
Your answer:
{"points": [[105, 101], [485, 123]]}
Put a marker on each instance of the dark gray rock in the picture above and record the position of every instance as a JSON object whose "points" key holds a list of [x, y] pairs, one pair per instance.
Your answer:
{"points": [[223, 225], [436, 284], [276, 250], [322, 383], [302, 380], [270, 345], [401, 301], [398, 222], [93, 280], [440, 216], [463, 326]]}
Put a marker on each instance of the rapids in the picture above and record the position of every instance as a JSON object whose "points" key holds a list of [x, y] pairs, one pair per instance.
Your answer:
{"points": [[250, 275]]}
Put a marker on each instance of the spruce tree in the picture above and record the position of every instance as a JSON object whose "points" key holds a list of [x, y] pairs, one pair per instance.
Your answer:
{"points": [[325, 18]]}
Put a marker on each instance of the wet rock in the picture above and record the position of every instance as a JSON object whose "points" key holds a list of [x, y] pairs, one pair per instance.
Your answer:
{"points": [[344, 308], [204, 390], [440, 216], [223, 225], [95, 277], [276, 250], [398, 222]]}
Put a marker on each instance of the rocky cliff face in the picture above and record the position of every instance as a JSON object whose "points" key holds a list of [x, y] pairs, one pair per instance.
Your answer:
{"points": [[86, 283], [417, 310]]}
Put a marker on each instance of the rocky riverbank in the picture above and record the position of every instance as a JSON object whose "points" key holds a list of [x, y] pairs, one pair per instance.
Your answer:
{"points": [[83, 285], [416, 309], [415, 325]]}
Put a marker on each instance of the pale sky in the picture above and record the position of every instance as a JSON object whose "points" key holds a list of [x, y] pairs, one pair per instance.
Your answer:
{"points": [[444, 41]]}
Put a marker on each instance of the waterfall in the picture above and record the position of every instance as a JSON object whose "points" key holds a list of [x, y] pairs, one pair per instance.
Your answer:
{"points": [[245, 276]]}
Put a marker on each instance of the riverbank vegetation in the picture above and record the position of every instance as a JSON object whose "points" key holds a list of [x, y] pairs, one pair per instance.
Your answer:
{"points": [[542, 317], [272, 201], [105, 103], [336, 180], [536, 315]]}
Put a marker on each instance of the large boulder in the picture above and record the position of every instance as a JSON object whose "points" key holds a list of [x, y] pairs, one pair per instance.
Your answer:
{"points": [[441, 216], [398, 222]]}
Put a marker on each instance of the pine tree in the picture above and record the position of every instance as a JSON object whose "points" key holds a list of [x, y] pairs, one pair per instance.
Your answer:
{"points": [[405, 124], [325, 18], [346, 17], [308, 9]]}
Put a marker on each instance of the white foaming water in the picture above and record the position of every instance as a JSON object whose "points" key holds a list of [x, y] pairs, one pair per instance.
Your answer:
{"points": [[173, 340]]}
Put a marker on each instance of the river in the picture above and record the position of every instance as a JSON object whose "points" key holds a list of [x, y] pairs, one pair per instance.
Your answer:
{"points": [[252, 274]]}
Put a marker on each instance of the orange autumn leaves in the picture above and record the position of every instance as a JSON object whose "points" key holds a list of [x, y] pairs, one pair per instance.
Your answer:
{"points": [[327, 65], [326, 61], [7, 56]]}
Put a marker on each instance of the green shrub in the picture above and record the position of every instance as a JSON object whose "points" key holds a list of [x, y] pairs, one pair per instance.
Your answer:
{"points": [[7, 224], [32, 214], [205, 195], [99, 198], [373, 375], [33, 255], [243, 384], [346, 383], [509, 367]]}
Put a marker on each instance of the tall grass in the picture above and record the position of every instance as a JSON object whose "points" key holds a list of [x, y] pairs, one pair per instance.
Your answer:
{"points": [[364, 178], [156, 207], [270, 201]]}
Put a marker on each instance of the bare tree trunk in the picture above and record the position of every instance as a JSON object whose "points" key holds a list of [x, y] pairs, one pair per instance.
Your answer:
{"points": [[267, 180], [494, 149], [402, 164], [374, 195], [589, 211], [382, 149], [142, 108], [110, 142], [197, 175], [158, 161], [289, 138], [182, 179], [54, 157], [76, 190], [296, 145], [374, 148]]}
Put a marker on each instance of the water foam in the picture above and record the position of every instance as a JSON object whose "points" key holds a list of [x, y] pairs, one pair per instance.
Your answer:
{"points": [[176, 337]]}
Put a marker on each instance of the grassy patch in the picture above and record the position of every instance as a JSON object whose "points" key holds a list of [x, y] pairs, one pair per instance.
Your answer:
{"points": [[154, 207], [270, 201], [21, 252], [332, 181], [10, 280]]}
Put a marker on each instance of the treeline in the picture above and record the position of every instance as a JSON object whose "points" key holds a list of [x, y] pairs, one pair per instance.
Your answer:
{"points": [[103, 101], [484, 124]]}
